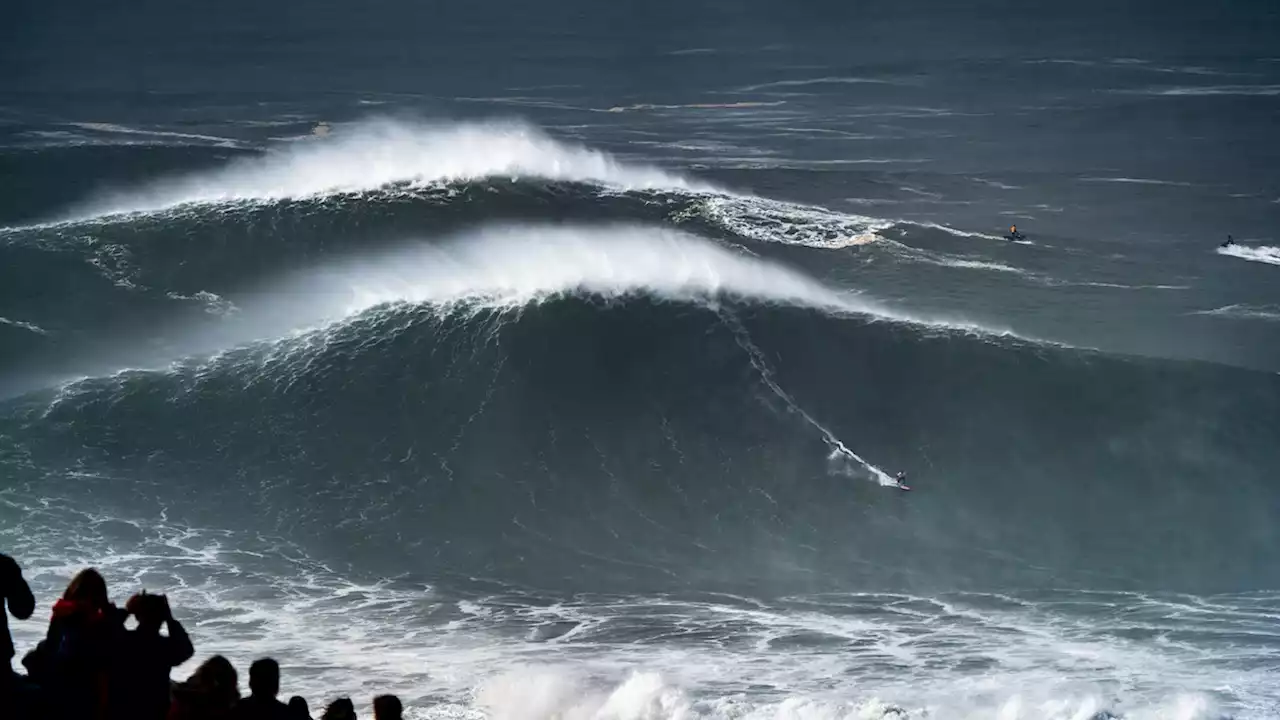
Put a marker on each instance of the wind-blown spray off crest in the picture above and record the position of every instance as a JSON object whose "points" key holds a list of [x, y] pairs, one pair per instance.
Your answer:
{"points": [[375, 154], [511, 266], [398, 158], [516, 265]]}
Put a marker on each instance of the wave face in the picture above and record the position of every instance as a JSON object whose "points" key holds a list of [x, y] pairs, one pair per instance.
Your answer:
{"points": [[507, 392], [592, 425], [588, 387]]}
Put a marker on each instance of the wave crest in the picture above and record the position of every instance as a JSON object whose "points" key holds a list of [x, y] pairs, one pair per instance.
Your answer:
{"points": [[512, 266], [380, 153]]}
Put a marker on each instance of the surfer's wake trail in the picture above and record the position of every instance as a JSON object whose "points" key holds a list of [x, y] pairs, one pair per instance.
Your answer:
{"points": [[1258, 253]]}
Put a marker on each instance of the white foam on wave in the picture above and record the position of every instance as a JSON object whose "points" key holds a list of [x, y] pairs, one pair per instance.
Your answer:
{"points": [[513, 266], [384, 154], [789, 223], [1256, 253], [562, 693], [379, 153], [517, 265]]}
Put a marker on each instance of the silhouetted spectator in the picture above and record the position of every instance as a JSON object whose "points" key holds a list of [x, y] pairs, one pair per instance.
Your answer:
{"points": [[264, 685], [340, 709], [140, 684], [209, 694], [14, 592], [387, 707], [72, 664], [298, 706], [17, 594]]}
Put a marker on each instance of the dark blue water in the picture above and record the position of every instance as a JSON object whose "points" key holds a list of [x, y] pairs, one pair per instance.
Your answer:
{"points": [[555, 361]]}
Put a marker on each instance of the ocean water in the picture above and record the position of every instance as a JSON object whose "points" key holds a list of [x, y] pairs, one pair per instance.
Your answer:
{"points": [[555, 361]]}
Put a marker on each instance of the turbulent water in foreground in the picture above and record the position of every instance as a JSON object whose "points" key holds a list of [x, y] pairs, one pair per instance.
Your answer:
{"points": [[578, 392]]}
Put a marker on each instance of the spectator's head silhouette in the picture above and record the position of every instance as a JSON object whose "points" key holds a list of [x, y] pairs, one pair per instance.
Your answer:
{"points": [[264, 678], [340, 709], [212, 691], [217, 678], [151, 611], [298, 707], [387, 707], [89, 589]]}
